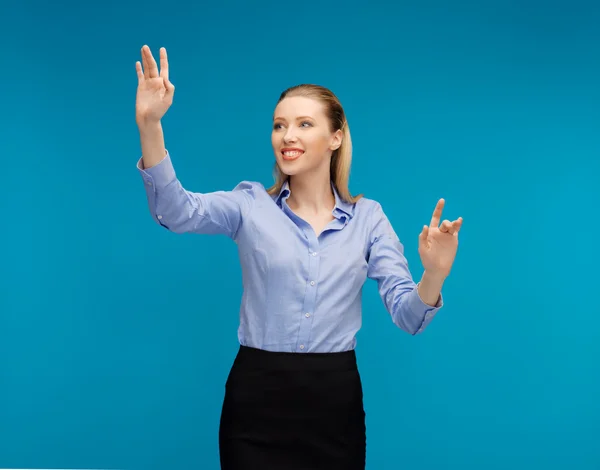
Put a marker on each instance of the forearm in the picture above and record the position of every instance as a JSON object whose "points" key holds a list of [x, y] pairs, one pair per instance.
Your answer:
{"points": [[430, 288], [153, 143]]}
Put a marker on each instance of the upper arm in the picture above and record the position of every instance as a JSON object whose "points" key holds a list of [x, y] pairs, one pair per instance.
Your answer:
{"points": [[180, 210]]}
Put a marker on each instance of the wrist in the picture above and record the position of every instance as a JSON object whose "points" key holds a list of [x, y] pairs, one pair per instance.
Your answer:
{"points": [[430, 288], [433, 277], [148, 127]]}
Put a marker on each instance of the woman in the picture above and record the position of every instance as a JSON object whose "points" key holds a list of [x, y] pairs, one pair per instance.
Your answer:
{"points": [[293, 398]]}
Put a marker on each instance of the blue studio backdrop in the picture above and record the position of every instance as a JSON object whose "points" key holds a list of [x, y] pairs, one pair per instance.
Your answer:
{"points": [[116, 336]]}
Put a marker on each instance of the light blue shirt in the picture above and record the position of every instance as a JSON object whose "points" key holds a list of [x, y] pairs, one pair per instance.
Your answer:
{"points": [[301, 293]]}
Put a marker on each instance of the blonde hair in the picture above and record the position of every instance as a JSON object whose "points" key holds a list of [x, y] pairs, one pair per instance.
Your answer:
{"points": [[341, 158]]}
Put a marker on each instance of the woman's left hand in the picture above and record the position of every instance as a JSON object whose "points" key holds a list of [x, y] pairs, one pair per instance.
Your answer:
{"points": [[438, 243]]}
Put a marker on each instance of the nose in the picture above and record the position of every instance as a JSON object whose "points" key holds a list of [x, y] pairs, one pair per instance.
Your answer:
{"points": [[289, 135]]}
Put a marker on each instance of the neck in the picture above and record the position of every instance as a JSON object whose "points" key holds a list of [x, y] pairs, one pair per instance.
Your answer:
{"points": [[311, 193]]}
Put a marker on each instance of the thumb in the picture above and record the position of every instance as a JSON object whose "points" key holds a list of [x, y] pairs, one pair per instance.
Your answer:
{"points": [[170, 87]]}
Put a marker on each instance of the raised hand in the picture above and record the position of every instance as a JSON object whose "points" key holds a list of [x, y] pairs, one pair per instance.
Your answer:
{"points": [[155, 91], [438, 243]]}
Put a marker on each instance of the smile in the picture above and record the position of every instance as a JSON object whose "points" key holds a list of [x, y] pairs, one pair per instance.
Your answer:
{"points": [[291, 154]]}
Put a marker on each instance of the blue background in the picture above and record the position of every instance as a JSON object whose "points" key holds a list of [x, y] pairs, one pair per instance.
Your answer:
{"points": [[116, 336]]}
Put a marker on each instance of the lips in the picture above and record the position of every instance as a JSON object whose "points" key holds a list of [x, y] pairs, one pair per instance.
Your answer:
{"points": [[291, 153]]}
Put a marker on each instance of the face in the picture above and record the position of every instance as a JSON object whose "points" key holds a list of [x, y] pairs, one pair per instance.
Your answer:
{"points": [[302, 138]]}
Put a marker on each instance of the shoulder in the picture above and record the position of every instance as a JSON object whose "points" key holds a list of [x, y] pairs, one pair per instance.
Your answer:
{"points": [[252, 188], [247, 184], [253, 193], [368, 208], [376, 220]]}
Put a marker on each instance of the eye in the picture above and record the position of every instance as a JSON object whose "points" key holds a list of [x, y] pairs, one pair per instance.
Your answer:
{"points": [[277, 126], [305, 122]]}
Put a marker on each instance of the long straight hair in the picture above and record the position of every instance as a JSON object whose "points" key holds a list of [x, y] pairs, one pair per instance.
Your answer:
{"points": [[341, 159]]}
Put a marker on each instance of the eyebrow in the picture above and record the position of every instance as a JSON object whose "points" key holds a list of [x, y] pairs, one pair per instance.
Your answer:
{"points": [[297, 119]]}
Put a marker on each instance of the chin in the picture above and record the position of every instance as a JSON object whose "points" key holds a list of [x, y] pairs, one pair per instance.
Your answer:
{"points": [[290, 168]]}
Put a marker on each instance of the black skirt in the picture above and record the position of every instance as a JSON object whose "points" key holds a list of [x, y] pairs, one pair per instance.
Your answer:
{"points": [[293, 411]]}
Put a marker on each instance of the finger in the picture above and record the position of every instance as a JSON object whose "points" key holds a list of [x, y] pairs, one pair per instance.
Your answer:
{"points": [[446, 227], [164, 64], [140, 74], [424, 233], [457, 224], [152, 71], [437, 213], [145, 61]]}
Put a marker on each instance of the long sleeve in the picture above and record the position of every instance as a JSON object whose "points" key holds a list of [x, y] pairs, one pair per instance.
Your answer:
{"points": [[388, 266], [183, 211]]}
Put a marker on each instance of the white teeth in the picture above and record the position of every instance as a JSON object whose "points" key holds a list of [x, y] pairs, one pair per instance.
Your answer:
{"points": [[294, 153]]}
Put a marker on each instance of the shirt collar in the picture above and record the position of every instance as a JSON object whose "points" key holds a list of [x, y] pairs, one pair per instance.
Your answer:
{"points": [[340, 205]]}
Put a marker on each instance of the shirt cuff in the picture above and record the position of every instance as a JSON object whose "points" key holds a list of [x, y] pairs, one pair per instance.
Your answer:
{"points": [[159, 175], [424, 310], [439, 304]]}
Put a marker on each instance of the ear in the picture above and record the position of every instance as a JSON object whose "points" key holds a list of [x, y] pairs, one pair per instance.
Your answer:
{"points": [[336, 140]]}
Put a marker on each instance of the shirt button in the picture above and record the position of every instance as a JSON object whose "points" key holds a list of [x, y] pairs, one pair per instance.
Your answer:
{"points": [[301, 346], [312, 283], [307, 315], [314, 253], [149, 183], [160, 217]]}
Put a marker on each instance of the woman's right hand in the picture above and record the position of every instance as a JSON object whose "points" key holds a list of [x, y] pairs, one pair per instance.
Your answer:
{"points": [[155, 91]]}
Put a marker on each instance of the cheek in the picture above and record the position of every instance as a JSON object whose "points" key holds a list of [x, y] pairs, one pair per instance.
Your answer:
{"points": [[318, 144], [275, 142]]}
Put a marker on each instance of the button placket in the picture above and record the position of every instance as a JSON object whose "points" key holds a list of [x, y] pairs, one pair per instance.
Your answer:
{"points": [[308, 306]]}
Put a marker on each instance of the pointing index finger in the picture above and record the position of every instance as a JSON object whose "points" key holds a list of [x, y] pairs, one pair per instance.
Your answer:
{"points": [[437, 213]]}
